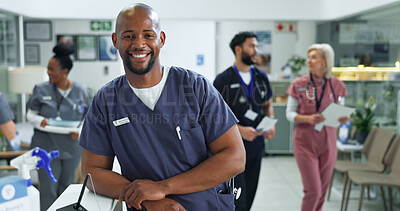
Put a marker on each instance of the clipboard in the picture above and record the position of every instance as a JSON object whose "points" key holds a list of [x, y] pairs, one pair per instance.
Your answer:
{"points": [[59, 130]]}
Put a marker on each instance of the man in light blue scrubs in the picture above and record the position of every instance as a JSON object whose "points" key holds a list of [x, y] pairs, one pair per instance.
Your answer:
{"points": [[175, 138]]}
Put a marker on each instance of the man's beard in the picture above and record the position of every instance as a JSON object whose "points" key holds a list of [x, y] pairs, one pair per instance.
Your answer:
{"points": [[246, 59], [130, 67]]}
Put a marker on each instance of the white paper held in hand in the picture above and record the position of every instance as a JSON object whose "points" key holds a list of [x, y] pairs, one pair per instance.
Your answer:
{"points": [[332, 113], [266, 124]]}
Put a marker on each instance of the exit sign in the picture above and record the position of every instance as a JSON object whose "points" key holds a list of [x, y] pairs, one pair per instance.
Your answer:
{"points": [[100, 25], [282, 26]]}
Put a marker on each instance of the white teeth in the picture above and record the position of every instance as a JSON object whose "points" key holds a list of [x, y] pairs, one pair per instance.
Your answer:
{"points": [[139, 55]]}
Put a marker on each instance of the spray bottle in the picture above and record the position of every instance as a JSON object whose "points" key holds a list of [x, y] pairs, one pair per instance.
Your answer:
{"points": [[34, 159]]}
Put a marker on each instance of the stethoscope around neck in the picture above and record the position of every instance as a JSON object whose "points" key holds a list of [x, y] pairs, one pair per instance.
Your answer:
{"points": [[311, 91], [254, 77], [257, 84]]}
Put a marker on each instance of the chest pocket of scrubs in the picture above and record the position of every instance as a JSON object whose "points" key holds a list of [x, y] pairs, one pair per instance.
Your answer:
{"points": [[78, 110], [192, 146], [306, 106], [47, 108]]}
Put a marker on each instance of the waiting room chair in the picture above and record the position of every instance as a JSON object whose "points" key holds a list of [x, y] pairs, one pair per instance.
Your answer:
{"points": [[365, 178], [375, 147]]}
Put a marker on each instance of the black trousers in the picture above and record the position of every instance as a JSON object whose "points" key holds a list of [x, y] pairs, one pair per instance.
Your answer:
{"points": [[248, 180]]}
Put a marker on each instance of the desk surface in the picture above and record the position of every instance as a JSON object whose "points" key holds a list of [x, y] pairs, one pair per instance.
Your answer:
{"points": [[11, 154], [7, 168], [89, 200], [348, 147], [8, 155]]}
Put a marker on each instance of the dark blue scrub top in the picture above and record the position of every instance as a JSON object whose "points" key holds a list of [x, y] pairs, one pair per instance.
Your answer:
{"points": [[148, 146], [5, 112], [229, 85]]}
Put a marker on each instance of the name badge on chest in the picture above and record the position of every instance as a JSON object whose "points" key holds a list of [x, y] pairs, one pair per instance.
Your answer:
{"points": [[250, 114], [46, 97], [122, 121], [235, 86]]}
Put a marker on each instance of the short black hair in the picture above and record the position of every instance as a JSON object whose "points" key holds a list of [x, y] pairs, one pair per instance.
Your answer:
{"points": [[239, 39]]}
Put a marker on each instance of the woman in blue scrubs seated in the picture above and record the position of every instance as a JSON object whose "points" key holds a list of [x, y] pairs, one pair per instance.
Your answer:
{"points": [[175, 138], [61, 99]]}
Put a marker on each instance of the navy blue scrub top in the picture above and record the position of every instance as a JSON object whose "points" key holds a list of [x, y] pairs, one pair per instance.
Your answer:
{"points": [[5, 112], [146, 141], [229, 85]]}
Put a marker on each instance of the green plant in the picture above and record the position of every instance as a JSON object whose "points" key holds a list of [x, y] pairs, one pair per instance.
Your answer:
{"points": [[363, 117], [296, 63]]}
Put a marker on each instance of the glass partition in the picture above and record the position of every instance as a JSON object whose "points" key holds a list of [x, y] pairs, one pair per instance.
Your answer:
{"points": [[9, 56]]}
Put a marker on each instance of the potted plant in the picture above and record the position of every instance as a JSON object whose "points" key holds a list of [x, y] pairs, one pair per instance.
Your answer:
{"points": [[363, 119], [295, 63]]}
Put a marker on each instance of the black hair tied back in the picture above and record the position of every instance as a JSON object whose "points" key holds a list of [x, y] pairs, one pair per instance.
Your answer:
{"points": [[62, 53]]}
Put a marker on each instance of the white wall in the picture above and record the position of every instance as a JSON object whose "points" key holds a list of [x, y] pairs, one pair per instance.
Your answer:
{"points": [[195, 9], [333, 9], [185, 41], [89, 73], [284, 45]]}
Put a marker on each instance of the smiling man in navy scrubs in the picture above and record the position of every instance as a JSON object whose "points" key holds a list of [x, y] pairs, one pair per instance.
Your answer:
{"points": [[247, 91], [169, 128]]}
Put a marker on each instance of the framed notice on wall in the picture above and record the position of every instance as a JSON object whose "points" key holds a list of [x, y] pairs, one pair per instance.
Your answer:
{"points": [[32, 54], [37, 31], [68, 40], [107, 51], [264, 50], [87, 47]]}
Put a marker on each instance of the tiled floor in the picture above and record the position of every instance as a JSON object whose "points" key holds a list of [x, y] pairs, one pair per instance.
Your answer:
{"points": [[280, 189]]}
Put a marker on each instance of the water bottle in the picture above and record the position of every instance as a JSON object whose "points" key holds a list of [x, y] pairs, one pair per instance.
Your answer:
{"points": [[341, 100], [15, 143]]}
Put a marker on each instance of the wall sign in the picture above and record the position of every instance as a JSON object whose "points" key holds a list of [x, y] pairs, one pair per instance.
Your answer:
{"points": [[100, 25], [283, 26]]}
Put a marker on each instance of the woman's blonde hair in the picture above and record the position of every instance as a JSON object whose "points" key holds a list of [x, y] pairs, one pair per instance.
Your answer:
{"points": [[327, 53]]}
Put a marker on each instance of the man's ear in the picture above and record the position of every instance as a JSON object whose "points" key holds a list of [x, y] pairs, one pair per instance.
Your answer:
{"points": [[238, 50], [162, 38], [114, 39]]}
